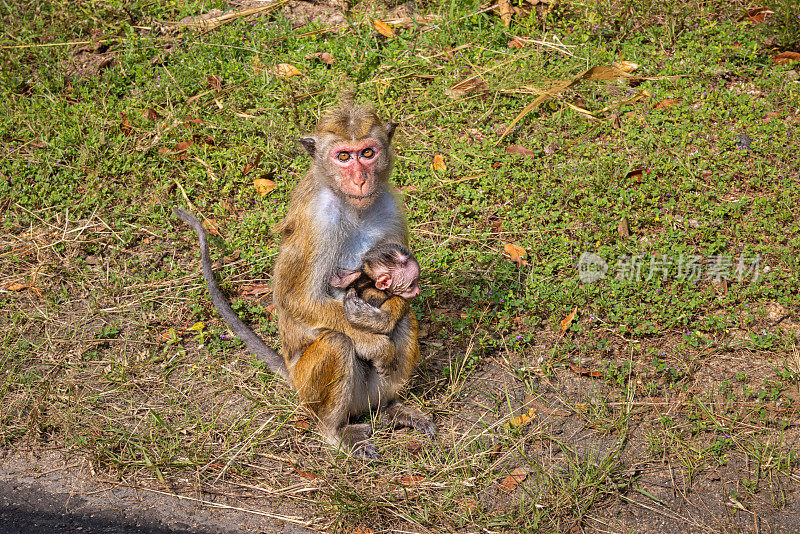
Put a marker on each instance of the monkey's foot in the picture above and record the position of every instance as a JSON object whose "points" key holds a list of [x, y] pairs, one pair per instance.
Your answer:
{"points": [[356, 438], [399, 415]]}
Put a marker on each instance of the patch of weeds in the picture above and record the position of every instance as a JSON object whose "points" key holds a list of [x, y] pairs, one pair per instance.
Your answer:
{"points": [[718, 451], [100, 149], [618, 373], [671, 372], [769, 341], [785, 22]]}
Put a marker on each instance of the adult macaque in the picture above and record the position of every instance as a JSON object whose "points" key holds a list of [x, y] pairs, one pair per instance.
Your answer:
{"points": [[377, 301], [338, 211]]}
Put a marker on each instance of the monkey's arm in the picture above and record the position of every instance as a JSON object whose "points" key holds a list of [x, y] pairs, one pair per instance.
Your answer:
{"points": [[361, 312], [254, 343]]}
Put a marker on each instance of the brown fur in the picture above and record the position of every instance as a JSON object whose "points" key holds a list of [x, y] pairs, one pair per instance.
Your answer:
{"points": [[324, 354], [319, 344], [356, 124]]}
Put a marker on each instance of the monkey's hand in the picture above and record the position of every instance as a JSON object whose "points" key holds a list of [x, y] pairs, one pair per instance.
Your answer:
{"points": [[364, 316]]}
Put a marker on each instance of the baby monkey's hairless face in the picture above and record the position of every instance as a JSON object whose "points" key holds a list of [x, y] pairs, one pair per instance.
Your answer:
{"points": [[390, 266], [396, 272]]}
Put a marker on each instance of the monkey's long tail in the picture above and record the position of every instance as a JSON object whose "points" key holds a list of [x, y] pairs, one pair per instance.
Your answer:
{"points": [[254, 343]]}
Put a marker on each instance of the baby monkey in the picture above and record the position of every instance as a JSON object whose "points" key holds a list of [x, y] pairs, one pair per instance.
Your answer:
{"points": [[388, 269], [377, 301]]}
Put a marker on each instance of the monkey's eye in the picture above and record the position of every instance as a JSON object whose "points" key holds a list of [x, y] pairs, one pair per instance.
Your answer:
{"points": [[367, 153], [343, 156]]}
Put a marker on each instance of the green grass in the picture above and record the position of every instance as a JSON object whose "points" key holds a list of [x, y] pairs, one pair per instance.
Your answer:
{"points": [[658, 382]]}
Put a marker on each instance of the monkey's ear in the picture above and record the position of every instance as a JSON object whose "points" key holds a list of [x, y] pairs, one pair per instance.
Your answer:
{"points": [[383, 281], [390, 128], [308, 144]]}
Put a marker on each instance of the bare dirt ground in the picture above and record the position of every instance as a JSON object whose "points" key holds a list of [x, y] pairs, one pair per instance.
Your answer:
{"points": [[51, 492]]}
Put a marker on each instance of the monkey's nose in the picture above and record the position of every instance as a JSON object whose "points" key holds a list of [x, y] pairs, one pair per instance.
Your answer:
{"points": [[360, 182], [359, 179]]}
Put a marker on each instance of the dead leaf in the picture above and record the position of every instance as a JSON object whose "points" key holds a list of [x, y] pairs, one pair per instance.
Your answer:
{"points": [[250, 166], [126, 127], [306, 474], [564, 324], [214, 82], [152, 115], [519, 150], [325, 57], [383, 28], [410, 480], [255, 289], [522, 419], [635, 174], [286, 70], [361, 530], [513, 479], [211, 226], [666, 103], [264, 186], [414, 446], [15, 286], [623, 228], [626, 66], [785, 57], [257, 64], [302, 423], [756, 15], [506, 12], [438, 163], [407, 189], [516, 253], [183, 146], [516, 43], [473, 84], [585, 372], [470, 505]]}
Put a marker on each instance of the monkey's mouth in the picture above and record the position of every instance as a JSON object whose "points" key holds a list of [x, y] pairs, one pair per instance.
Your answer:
{"points": [[360, 197]]}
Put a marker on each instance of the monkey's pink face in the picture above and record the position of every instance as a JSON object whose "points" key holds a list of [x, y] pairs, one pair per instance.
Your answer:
{"points": [[356, 168], [400, 279]]}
